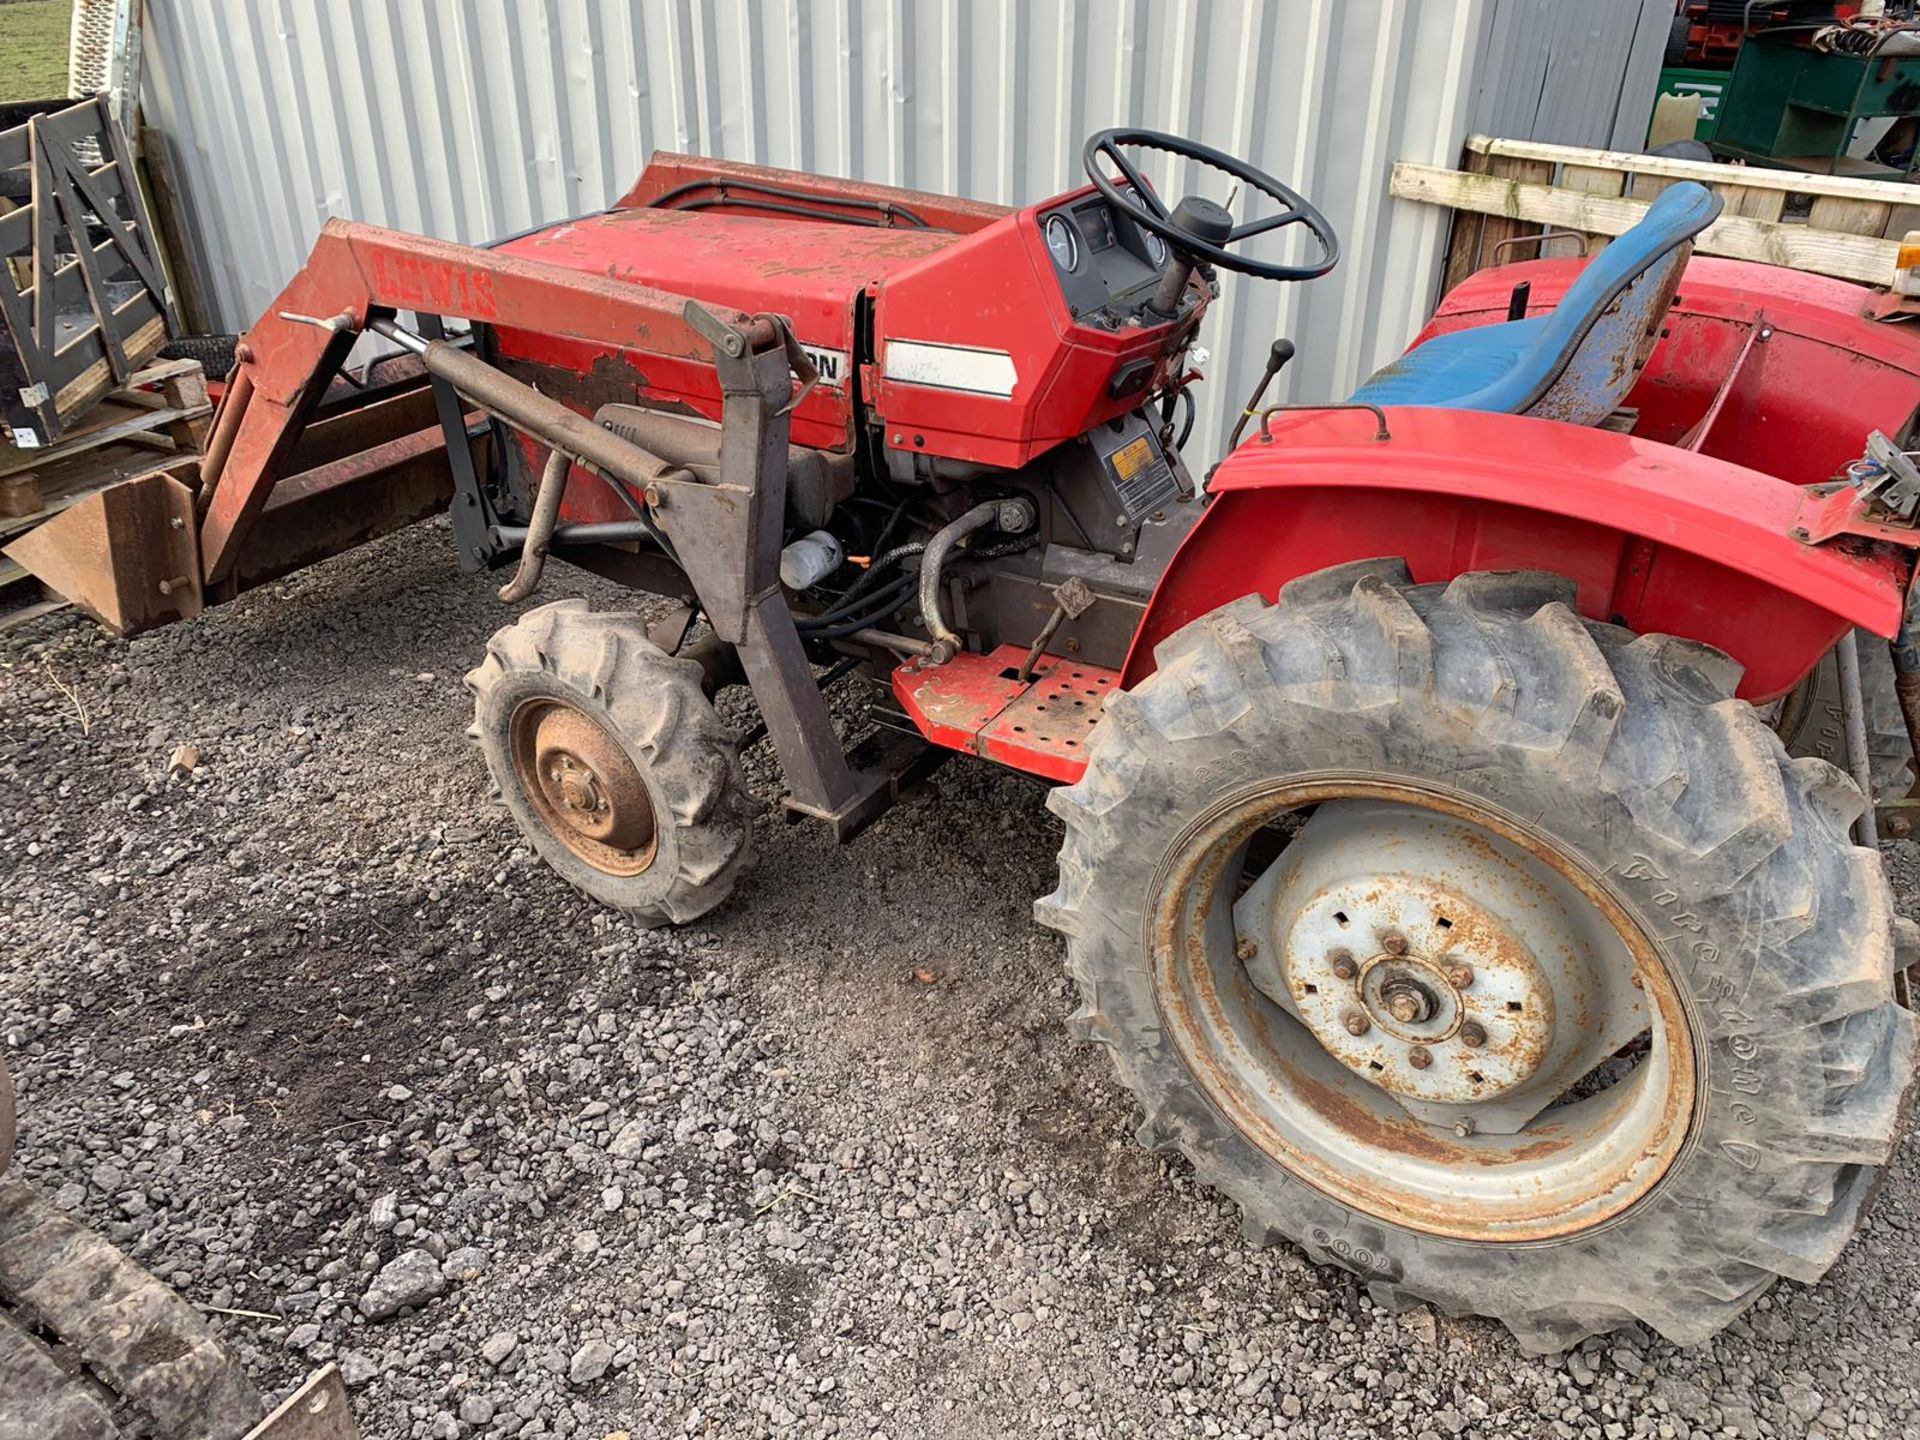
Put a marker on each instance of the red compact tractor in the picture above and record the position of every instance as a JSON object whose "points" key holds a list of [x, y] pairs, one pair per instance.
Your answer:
{"points": [[1435, 874]]}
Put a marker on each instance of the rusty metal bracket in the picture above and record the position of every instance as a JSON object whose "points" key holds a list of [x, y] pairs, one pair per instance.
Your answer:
{"points": [[1878, 499], [317, 1410], [1070, 602], [727, 533], [472, 512], [1898, 819], [798, 360]]}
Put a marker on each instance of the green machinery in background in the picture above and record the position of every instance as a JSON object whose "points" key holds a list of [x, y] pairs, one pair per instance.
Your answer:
{"points": [[1794, 107]]}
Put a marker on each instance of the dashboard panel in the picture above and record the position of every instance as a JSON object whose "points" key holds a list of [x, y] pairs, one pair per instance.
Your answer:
{"points": [[1108, 267]]}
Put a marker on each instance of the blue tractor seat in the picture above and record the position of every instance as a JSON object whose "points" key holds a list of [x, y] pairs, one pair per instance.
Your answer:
{"points": [[1577, 362]]}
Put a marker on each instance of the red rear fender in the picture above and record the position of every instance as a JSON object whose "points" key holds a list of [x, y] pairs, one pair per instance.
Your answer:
{"points": [[1658, 539]]}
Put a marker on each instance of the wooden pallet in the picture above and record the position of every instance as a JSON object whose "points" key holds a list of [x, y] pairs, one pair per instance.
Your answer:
{"points": [[83, 298], [159, 421], [1509, 190]]}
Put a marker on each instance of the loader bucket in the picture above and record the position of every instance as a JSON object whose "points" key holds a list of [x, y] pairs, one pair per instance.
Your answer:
{"points": [[128, 555]]}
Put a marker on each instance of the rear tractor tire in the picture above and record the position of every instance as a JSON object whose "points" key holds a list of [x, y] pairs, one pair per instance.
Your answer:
{"points": [[1498, 956], [610, 757]]}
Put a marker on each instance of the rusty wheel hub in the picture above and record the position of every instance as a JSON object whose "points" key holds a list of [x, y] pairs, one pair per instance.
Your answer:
{"points": [[1456, 1008], [584, 786], [1422, 1007]]}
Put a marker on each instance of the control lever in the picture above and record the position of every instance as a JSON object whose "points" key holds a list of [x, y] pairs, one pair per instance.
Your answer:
{"points": [[1277, 358]]}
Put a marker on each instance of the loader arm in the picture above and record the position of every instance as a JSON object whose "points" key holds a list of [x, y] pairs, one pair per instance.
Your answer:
{"points": [[359, 271]]}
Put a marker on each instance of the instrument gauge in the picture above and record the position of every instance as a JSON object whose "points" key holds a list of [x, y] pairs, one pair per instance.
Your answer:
{"points": [[1156, 247], [1064, 242]]}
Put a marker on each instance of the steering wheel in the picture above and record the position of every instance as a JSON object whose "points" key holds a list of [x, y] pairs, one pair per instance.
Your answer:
{"points": [[1197, 228]]}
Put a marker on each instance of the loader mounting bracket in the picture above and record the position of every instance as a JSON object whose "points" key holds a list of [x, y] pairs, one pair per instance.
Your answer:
{"points": [[472, 513], [727, 537]]}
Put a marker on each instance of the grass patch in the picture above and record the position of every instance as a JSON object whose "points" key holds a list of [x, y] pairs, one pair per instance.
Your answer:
{"points": [[33, 48]]}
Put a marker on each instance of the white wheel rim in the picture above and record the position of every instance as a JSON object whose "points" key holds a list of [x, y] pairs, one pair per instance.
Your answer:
{"points": [[1320, 1010]]}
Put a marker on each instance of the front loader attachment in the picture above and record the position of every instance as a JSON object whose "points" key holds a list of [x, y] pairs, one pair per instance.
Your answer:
{"points": [[129, 555], [295, 471], [366, 464], [317, 1410]]}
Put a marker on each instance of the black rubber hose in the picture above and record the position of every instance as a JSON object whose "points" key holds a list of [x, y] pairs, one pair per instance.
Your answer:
{"points": [[820, 207], [875, 607], [893, 523], [999, 551], [872, 608], [878, 570], [500, 240], [835, 620], [845, 627]]}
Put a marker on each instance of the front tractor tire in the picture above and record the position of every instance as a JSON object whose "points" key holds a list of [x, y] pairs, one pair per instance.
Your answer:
{"points": [[1498, 956], [613, 762]]}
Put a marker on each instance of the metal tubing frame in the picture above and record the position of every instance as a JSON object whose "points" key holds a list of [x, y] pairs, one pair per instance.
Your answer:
{"points": [[1853, 717], [1898, 811], [472, 513]]}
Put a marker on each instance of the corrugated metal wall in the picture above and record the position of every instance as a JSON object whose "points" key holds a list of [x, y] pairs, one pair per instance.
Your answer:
{"points": [[470, 119], [1573, 72]]}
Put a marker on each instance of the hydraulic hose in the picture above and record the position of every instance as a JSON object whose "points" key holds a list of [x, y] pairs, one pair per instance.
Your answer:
{"points": [[546, 511], [877, 571], [946, 644], [870, 608]]}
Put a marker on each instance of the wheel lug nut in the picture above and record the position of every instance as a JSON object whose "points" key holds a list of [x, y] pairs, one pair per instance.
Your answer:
{"points": [[1394, 943], [1343, 966], [1463, 1127], [1246, 948], [1473, 1033], [1460, 976], [1357, 1024], [1419, 1057]]}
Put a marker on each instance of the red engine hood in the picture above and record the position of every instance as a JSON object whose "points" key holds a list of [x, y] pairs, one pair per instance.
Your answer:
{"points": [[809, 272], [976, 354]]}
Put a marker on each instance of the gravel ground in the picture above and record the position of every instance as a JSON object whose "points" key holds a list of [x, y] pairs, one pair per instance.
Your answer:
{"points": [[310, 1033]]}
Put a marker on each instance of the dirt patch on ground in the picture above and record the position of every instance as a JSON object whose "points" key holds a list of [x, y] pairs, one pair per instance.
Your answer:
{"points": [[315, 1005]]}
